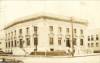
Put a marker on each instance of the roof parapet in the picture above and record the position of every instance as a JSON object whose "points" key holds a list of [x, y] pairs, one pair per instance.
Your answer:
{"points": [[46, 16]]}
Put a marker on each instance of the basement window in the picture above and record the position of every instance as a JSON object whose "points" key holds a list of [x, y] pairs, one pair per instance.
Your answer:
{"points": [[51, 49]]}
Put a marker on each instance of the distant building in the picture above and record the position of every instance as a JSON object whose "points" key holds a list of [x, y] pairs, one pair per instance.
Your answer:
{"points": [[93, 41], [44, 33], [2, 41]]}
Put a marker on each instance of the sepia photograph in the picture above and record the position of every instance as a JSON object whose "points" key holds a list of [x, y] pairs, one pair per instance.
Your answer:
{"points": [[49, 31]]}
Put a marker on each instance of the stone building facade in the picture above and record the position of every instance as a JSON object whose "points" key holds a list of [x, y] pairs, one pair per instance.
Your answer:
{"points": [[44, 33], [2, 41], [93, 41]]}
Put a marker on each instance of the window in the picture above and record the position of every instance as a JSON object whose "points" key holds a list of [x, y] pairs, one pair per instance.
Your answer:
{"points": [[6, 36], [74, 41], [35, 28], [27, 30], [51, 49], [97, 44], [60, 29], [81, 42], [67, 42], [20, 31], [92, 44], [67, 30], [81, 31], [15, 32], [51, 41], [11, 33], [15, 43], [6, 44], [28, 41], [74, 30], [88, 38], [59, 41], [9, 44], [51, 28], [21, 43], [88, 44], [92, 37], [97, 38], [36, 41], [12, 43]]}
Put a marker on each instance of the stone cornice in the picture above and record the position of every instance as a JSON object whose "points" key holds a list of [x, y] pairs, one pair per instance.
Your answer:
{"points": [[44, 17]]}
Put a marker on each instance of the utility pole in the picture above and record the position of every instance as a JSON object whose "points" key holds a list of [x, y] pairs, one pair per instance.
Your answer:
{"points": [[72, 35]]}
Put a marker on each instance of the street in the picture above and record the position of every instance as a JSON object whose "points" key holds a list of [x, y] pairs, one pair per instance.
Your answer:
{"points": [[80, 59]]}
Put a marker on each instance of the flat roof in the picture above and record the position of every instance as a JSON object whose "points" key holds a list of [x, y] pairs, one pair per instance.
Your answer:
{"points": [[46, 16]]}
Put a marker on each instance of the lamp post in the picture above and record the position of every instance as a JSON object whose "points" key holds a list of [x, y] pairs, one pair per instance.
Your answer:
{"points": [[72, 35]]}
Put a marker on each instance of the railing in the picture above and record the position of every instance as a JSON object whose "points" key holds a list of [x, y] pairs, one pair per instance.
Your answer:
{"points": [[50, 53]]}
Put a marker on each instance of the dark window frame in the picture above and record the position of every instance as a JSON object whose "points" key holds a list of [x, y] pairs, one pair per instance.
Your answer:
{"points": [[59, 41], [81, 31], [51, 49], [81, 42], [27, 30], [28, 41], [74, 41], [20, 31], [97, 44], [67, 30], [59, 29], [97, 37], [68, 42], [88, 38], [35, 41], [75, 30], [51, 28], [92, 38], [35, 28], [15, 43], [51, 40], [88, 44], [21, 43]]}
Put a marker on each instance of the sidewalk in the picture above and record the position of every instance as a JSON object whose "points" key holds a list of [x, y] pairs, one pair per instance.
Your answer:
{"points": [[53, 56], [57, 59]]}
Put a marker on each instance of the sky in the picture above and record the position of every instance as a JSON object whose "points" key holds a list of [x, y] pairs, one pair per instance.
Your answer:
{"points": [[79, 9]]}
